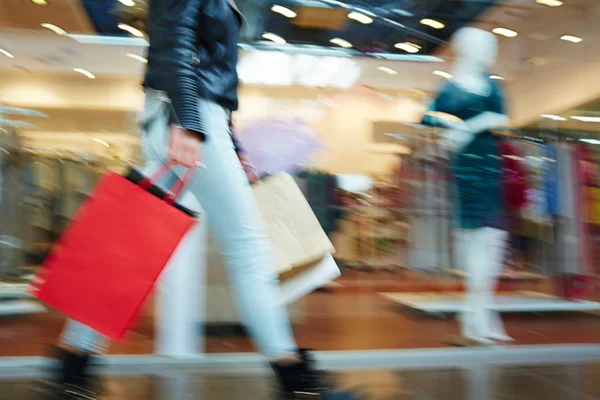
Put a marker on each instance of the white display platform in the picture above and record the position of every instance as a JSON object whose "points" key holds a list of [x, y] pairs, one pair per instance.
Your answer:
{"points": [[521, 301]]}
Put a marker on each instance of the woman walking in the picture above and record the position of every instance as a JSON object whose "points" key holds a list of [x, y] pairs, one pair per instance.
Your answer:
{"points": [[191, 90]]}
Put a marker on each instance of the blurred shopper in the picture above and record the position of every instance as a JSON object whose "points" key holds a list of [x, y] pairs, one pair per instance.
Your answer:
{"points": [[191, 90]]}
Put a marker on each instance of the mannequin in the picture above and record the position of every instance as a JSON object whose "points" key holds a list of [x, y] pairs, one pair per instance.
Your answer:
{"points": [[475, 104]]}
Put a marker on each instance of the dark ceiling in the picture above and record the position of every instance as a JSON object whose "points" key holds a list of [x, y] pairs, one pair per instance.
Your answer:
{"points": [[379, 36]]}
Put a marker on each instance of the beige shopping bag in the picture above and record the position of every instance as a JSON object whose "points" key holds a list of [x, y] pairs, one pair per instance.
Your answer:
{"points": [[292, 227]]}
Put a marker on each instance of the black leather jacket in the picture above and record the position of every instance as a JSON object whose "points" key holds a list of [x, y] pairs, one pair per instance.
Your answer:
{"points": [[193, 54]]}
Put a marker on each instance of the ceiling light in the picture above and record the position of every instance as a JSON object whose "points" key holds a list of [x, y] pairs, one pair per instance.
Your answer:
{"points": [[587, 119], [408, 47], [137, 58], [40, 2], [128, 41], [85, 72], [550, 3], [387, 70], [590, 141], [571, 38], [433, 23], [362, 18], [274, 38], [128, 3], [286, 12], [6, 53], [56, 29], [443, 74], [505, 32], [553, 117], [342, 43], [102, 142], [131, 29], [497, 77]]}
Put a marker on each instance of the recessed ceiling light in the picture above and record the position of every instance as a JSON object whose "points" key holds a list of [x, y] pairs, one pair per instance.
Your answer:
{"points": [[505, 32], [341, 42], [40, 2], [571, 38], [586, 119], [408, 47], [553, 117], [85, 72], [387, 70], [286, 12], [56, 29], [131, 29], [550, 3], [137, 58], [433, 23], [6, 53], [362, 18], [443, 74], [102, 142], [274, 38], [128, 3], [497, 77]]}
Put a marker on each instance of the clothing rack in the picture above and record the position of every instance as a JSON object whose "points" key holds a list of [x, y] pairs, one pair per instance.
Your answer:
{"points": [[14, 298], [513, 301]]}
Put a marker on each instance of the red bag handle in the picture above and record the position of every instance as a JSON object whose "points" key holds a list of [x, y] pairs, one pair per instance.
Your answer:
{"points": [[178, 187]]}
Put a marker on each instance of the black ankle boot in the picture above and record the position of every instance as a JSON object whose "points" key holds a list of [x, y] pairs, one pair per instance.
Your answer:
{"points": [[71, 381], [302, 380]]}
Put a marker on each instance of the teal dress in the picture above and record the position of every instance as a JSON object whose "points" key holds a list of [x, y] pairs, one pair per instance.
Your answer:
{"points": [[477, 168]]}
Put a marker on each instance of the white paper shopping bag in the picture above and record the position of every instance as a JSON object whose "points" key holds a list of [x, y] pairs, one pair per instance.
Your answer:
{"points": [[309, 279]]}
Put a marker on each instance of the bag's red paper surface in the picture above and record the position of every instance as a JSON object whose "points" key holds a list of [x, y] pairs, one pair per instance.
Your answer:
{"points": [[107, 260]]}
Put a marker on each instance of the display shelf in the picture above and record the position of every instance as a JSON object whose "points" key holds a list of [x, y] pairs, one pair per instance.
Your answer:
{"points": [[14, 290], [20, 307], [521, 301], [505, 275]]}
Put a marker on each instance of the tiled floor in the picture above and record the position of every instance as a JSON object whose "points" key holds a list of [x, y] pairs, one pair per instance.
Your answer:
{"points": [[572, 382]]}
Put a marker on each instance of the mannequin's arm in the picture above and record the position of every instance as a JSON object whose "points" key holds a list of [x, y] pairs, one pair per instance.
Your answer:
{"points": [[460, 135], [485, 121]]}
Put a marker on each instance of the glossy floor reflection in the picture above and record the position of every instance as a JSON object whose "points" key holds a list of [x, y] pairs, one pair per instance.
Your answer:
{"points": [[572, 382]]}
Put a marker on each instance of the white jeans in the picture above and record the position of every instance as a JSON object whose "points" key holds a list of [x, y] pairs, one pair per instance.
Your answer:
{"points": [[226, 198]]}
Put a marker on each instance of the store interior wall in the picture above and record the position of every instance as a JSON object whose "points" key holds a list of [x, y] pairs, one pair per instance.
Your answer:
{"points": [[342, 119]]}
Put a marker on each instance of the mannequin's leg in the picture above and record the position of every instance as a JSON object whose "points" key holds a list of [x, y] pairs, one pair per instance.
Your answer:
{"points": [[484, 254], [496, 248], [473, 313]]}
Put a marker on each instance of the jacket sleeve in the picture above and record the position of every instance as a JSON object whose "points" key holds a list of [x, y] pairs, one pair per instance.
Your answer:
{"points": [[181, 60], [236, 143]]}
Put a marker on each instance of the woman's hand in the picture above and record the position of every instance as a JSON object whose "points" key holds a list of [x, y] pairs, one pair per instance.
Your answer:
{"points": [[249, 169], [185, 147]]}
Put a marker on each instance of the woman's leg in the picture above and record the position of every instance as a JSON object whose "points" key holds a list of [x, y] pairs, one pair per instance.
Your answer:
{"points": [[82, 338], [223, 191]]}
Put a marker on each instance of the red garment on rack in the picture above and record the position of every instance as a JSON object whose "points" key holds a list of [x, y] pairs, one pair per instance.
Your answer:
{"points": [[514, 177]]}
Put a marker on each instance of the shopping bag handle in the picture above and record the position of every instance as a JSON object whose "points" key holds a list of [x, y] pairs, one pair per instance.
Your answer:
{"points": [[178, 187]]}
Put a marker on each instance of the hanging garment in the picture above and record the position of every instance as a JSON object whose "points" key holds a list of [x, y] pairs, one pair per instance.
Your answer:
{"points": [[431, 217], [514, 177], [551, 180], [567, 234]]}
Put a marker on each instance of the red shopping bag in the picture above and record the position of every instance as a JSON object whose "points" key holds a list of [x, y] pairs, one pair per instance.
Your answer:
{"points": [[109, 257]]}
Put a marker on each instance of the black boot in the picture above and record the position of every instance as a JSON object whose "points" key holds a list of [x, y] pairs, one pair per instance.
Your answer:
{"points": [[71, 381], [302, 380]]}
